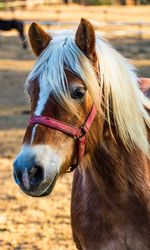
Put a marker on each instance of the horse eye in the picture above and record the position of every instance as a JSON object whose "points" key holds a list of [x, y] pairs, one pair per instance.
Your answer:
{"points": [[78, 93]]}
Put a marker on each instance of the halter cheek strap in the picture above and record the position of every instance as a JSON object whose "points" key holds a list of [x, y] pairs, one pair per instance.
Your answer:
{"points": [[75, 132]]}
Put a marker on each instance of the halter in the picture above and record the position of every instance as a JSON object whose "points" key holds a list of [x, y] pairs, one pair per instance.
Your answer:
{"points": [[77, 133]]}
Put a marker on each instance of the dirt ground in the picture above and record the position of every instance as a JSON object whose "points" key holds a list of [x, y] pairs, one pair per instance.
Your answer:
{"points": [[26, 222]]}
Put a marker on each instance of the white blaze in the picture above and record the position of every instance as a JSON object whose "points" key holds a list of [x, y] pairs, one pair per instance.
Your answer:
{"points": [[43, 97]]}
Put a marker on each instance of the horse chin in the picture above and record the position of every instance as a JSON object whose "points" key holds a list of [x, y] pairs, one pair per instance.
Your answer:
{"points": [[49, 188], [45, 192]]}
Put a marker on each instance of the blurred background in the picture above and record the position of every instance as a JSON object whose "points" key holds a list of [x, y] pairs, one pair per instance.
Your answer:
{"points": [[32, 223]]}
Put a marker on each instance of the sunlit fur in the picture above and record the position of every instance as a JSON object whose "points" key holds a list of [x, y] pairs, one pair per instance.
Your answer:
{"points": [[118, 84]]}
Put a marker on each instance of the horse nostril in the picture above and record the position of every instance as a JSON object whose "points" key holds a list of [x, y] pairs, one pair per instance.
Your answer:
{"points": [[36, 175], [16, 178]]}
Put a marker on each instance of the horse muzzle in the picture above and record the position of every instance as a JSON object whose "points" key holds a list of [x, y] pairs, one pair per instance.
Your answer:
{"points": [[36, 177]]}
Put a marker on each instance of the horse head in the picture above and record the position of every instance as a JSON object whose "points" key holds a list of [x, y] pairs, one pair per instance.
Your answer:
{"points": [[58, 91], [78, 81]]}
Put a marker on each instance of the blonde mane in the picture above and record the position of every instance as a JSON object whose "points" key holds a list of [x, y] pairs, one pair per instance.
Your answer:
{"points": [[118, 81]]}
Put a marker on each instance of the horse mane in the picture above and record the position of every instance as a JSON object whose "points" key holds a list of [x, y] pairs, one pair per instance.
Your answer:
{"points": [[118, 85]]}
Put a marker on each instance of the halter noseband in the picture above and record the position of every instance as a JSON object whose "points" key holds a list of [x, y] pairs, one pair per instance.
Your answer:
{"points": [[76, 133]]}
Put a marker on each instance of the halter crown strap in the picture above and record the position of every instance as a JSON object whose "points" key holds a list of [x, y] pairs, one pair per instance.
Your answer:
{"points": [[89, 119], [79, 133]]}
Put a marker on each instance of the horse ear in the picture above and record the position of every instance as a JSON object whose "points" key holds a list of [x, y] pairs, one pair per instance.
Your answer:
{"points": [[85, 37], [39, 39]]}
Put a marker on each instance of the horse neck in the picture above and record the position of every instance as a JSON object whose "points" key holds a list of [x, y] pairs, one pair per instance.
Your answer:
{"points": [[117, 172], [111, 192]]}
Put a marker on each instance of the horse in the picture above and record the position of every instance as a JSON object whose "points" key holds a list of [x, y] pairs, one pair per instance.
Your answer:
{"points": [[88, 115], [7, 25], [145, 86]]}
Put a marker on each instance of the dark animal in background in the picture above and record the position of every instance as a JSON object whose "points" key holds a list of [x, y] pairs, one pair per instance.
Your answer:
{"points": [[7, 25]]}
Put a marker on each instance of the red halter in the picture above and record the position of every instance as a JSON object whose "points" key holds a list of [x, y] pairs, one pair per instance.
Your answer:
{"points": [[77, 133]]}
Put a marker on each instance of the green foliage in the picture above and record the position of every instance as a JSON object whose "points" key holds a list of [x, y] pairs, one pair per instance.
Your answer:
{"points": [[2, 5], [101, 2], [145, 1]]}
